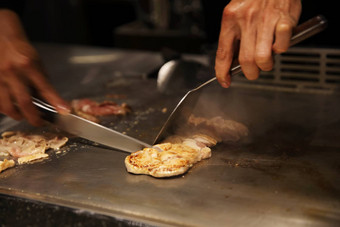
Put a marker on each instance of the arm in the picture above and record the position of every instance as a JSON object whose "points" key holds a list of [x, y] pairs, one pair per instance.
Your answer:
{"points": [[21, 70], [252, 30]]}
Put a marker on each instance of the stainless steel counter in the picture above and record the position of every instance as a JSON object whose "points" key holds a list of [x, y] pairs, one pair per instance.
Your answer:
{"points": [[286, 173]]}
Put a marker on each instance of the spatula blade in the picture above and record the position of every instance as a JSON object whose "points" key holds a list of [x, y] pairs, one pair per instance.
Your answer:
{"points": [[183, 110]]}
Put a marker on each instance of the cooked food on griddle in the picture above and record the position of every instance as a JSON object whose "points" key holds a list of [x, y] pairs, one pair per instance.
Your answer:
{"points": [[26, 147], [5, 164], [180, 152], [174, 158], [222, 129], [91, 110]]}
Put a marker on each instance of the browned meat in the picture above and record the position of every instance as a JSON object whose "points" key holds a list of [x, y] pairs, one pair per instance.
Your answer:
{"points": [[174, 159], [28, 147], [5, 164], [180, 152], [90, 109]]}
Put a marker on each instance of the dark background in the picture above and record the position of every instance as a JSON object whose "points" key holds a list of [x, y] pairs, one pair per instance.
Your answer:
{"points": [[100, 23]]}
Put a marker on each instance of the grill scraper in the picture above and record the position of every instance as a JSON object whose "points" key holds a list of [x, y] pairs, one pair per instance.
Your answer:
{"points": [[183, 110]]}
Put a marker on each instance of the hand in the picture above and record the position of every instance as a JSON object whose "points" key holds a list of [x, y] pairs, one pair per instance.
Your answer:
{"points": [[252, 30], [21, 71]]}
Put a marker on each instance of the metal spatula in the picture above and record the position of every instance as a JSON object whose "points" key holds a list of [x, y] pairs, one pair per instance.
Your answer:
{"points": [[184, 108]]}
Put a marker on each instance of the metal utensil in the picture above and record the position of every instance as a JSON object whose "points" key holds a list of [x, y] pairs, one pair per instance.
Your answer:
{"points": [[89, 130], [184, 108], [177, 76]]}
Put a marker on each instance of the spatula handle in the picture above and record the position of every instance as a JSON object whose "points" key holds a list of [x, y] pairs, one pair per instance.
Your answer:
{"points": [[308, 29]]}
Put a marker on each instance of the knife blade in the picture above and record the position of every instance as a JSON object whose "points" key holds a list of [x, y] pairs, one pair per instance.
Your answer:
{"points": [[89, 130]]}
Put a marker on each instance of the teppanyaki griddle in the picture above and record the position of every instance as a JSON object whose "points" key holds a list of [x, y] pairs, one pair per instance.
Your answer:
{"points": [[285, 172]]}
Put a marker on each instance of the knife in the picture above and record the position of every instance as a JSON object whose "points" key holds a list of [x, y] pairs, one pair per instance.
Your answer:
{"points": [[89, 130]]}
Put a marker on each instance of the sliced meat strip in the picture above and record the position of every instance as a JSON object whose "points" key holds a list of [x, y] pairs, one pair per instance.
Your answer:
{"points": [[22, 145], [90, 109]]}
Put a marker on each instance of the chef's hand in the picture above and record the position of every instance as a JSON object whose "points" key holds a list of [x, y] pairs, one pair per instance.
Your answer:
{"points": [[21, 71], [252, 30]]}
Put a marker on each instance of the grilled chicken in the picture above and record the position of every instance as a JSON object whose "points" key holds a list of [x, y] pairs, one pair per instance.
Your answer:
{"points": [[5, 164], [174, 158]]}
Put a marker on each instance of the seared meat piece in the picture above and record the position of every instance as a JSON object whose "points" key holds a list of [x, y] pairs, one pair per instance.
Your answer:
{"points": [[219, 128], [180, 152], [28, 147], [5, 164], [174, 159], [90, 109]]}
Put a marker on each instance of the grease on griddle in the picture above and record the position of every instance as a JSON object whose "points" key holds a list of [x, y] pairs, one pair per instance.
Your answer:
{"points": [[253, 163]]}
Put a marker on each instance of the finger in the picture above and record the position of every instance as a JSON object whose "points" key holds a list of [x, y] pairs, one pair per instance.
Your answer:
{"points": [[46, 91], [6, 104], [247, 54], [295, 11], [224, 57], [223, 63], [264, 43], [283, 33], [23, 99]]}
